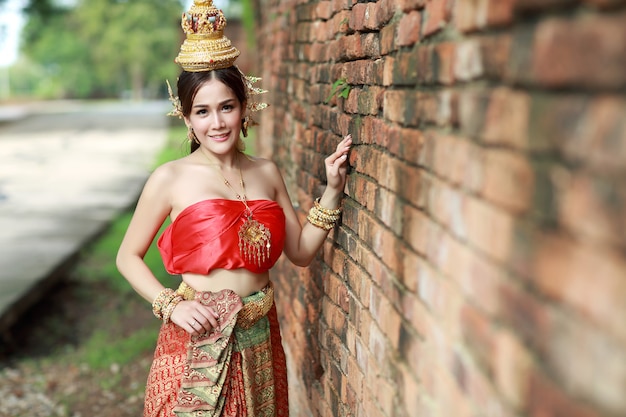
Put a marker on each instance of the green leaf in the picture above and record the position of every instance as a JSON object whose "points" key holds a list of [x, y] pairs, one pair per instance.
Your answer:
{"points": [[341, 86]]}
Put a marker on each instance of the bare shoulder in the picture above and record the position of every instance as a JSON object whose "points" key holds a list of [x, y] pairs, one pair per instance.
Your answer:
{"points": [[262, 165], [168, 174]]}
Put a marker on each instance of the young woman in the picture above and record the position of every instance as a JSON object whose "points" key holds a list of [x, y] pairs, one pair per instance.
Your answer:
{"points": [[219, 351]]}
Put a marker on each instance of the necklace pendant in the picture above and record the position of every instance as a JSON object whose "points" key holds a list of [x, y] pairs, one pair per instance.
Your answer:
{"points": [[254, 241]]}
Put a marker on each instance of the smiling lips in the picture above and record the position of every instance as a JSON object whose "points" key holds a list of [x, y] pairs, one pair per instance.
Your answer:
{"points": [[220, 138]]}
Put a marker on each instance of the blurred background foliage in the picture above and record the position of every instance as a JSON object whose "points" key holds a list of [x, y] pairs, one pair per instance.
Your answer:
{"points": [[97, 48]]}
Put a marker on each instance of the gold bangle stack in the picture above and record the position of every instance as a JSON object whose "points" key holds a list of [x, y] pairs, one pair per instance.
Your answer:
{"points": [[164, 304], [322, 217]]}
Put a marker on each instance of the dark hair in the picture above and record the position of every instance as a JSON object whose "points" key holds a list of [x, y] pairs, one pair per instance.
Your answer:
{"points": [[190, 82]]}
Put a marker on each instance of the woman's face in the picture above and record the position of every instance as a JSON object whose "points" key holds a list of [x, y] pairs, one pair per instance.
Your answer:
{"points": [[216, 117]]}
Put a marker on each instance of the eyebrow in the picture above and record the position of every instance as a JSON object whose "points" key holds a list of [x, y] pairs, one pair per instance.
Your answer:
{"points": [[221, 103]]}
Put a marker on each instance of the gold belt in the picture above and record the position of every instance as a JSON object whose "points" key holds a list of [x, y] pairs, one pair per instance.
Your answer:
{"points": [[251, 311]]}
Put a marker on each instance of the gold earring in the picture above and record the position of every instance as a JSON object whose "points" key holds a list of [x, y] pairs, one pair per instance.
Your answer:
{"points": [[244, 126], [191, 136]]}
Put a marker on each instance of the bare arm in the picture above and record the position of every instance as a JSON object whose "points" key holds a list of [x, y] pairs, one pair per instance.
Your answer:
{"points": [[152, 209], [303, 242]]}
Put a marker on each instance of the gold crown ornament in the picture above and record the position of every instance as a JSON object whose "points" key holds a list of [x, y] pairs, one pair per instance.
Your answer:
{"points": [[205, 47]]}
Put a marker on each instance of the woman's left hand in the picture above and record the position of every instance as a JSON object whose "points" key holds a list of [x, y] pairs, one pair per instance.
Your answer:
{"points": [[337, 165]]}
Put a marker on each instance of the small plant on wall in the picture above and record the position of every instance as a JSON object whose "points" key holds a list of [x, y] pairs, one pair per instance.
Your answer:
{"points": [[340, 88]]}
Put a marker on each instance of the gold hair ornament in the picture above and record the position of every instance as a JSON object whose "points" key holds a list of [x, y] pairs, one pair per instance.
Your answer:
{"points": [[205, 47], [251, 105]]}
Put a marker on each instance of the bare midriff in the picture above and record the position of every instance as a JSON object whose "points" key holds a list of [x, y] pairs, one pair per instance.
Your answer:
{"points": [[241, 281]]}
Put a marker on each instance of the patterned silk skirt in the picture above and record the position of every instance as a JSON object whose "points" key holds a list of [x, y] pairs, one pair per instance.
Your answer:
{"points": [[237, 369]]}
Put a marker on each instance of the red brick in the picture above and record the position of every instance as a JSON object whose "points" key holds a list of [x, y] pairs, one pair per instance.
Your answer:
{"points": [[425, 56], [500, 12], [435, 16], [489, 229], [587, 52], [507, 118], [527, 315], [394, 105], [339, 5], [357, 17], [382, 12], [350, 105], [401, 69], [323, 10], [416, 229], [408, 5], [470, 15], [468, 61], [594, 200], [444, 55], [478, 333], [371, 45], [388, 39], [599, 140], [573, 338], [352, 47], [547, 399], [481, 283], [472, 111], [562, 269], [513, 364], [409, 29], [509, 180], [495, 51]]}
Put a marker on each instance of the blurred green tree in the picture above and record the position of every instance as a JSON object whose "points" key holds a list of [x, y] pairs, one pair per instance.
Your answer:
{"points": [[103, 48]]}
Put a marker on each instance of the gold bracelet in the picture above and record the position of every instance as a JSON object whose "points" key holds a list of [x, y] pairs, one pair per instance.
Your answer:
{"points": [[324, 210], [162, 300], [169, 309], [322, 217]]}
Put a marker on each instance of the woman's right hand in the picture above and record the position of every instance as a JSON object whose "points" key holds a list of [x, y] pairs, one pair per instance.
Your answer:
{"points": [[194, 317]]}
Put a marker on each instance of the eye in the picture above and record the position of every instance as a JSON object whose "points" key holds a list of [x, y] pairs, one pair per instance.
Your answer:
{"points": [[201, 111], [227, 107]]}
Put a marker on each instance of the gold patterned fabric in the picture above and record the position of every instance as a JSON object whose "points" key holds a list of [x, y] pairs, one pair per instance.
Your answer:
{"points": [[232, 371]]}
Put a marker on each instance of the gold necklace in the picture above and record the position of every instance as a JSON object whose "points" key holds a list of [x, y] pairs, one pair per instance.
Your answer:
{"points": [[254, 237]]}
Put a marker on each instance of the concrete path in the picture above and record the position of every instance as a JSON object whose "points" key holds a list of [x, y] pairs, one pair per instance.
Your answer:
{"points": [[66, 170]]}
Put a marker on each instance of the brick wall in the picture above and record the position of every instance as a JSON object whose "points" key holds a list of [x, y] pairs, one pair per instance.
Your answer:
{"points": [[480, 267]]}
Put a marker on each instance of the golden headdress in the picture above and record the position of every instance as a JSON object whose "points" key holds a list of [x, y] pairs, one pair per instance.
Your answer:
{"points": [[205, 47]]}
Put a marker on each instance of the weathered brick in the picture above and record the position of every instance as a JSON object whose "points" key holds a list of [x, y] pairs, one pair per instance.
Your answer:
{"points": [[495, 51], [509, 180], [507, 118], [357, 17], [468, 64], [485, 188], [545, 398], [435, 16], [561, 270], [444, 55], [388, 39], [513, 365], [488, 228], [587, 52], [409, 29], [408, 5]]}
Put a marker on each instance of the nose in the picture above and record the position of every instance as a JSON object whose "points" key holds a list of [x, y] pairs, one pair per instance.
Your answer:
{"points": [[217, 119]]}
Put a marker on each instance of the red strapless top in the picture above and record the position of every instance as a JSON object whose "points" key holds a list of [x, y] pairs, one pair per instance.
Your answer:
{"points": [[204, 236]]}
